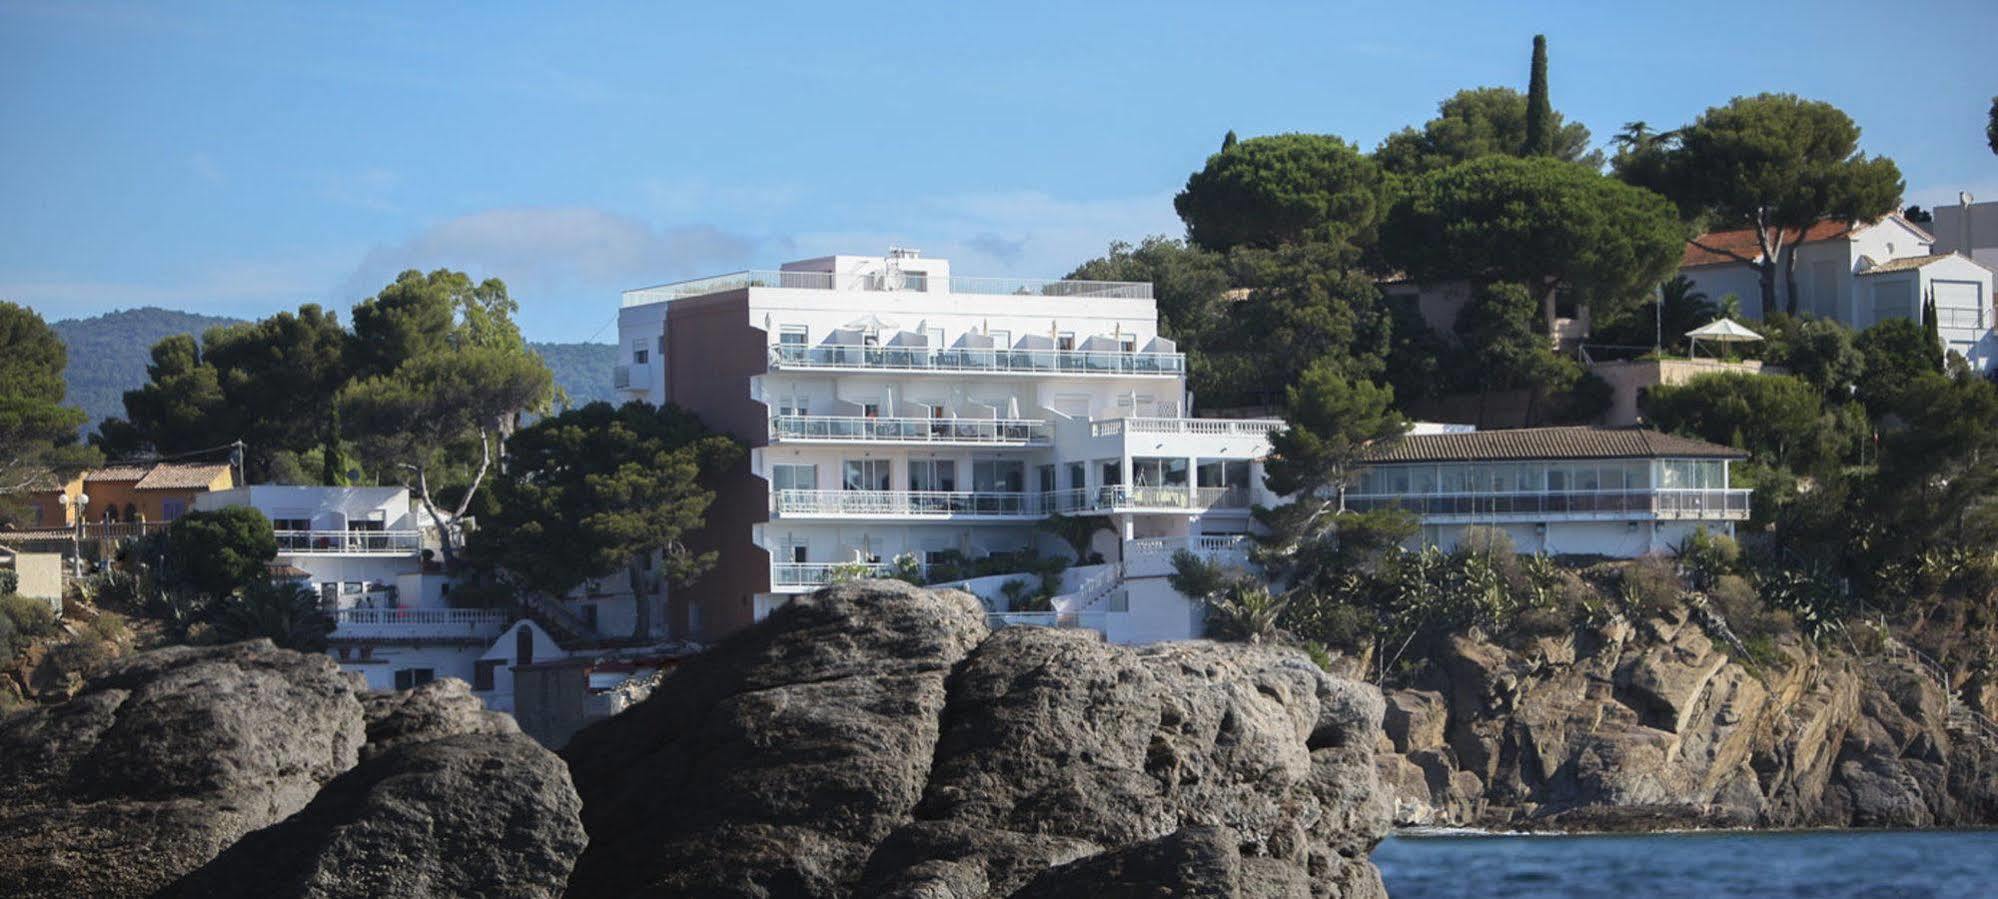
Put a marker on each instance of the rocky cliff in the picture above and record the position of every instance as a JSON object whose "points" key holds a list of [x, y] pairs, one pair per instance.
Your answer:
{"points": [[875, 740], [1654, 724], [246, 770]]}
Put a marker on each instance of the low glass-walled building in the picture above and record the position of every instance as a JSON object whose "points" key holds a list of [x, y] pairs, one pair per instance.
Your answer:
{"points": [[1606, 491]]}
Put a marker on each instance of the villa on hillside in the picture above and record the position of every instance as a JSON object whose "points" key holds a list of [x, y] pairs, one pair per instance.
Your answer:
{"points": [[124, 500], [896, 410], [1859, 274], [1619, 492]]}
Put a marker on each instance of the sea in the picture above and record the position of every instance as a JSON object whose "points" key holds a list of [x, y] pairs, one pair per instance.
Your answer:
{"points": [[1872, 864]]}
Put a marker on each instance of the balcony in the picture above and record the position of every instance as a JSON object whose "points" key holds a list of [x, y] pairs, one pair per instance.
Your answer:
{"points": [[788, 577], [930, 431], [349, 543], [924, 360], [1666, 504], [887, 281], [412, 624], [1152, 556], [1207, 427], [1164, 498], [911, 504]]}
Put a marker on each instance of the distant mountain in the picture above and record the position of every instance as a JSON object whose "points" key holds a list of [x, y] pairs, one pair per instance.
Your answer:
{"points": [[108, 356]]}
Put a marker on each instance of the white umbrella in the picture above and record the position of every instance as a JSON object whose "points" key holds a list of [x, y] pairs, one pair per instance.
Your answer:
{"points": [[1720, 330]]}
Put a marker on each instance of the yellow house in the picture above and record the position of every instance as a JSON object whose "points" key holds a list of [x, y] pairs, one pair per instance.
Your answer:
{"points": [[157, 493]]}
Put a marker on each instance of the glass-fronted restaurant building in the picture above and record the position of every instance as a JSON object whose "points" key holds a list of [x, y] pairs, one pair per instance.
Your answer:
{"points": [[1620, 492]]}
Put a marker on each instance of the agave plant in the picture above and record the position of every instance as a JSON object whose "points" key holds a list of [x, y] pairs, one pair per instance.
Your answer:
{"points": [[285, 612]]}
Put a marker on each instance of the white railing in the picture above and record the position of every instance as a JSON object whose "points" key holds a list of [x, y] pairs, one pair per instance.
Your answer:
{"points": [[912, 282], [1171, 496], [349, 542], [1661, 502], [908, 503], [1218, 427], [976, 360], [1086, 620], [484, 623], [1152, 556], [819, 574], [1019, 431]]}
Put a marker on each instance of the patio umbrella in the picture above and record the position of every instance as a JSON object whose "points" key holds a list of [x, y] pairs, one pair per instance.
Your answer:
{"points": [[1720, 330]]}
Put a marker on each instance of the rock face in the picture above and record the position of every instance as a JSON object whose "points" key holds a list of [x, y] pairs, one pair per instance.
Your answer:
{"points": [[1652, 725], [239, 770], [873, 739]]}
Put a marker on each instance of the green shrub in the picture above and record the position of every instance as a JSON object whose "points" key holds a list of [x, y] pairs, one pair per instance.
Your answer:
{"points": [[79, 657], [10, 581], [109, 627], [32, 618], [1649, 587]]}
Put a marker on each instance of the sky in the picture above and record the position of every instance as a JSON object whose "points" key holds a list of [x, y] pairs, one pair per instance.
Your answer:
{"points": [[238, 159]]}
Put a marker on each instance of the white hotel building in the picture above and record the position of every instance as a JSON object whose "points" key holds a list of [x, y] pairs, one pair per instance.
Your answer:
{"points": [[894, 409]]}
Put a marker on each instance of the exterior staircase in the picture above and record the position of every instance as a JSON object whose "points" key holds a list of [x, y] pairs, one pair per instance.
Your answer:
{"points": [[564, 625]]}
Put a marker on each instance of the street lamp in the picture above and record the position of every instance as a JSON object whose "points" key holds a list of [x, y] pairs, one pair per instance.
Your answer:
{"points": [[77, 505]]}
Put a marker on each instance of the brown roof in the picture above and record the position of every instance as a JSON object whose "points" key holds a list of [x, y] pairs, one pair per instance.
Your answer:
{"points": [[116, 473], [1732, 247], [180, 476], [1907, 264], [1548, 443]]}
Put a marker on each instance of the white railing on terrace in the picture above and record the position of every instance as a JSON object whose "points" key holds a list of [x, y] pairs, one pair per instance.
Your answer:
{"points": [[972, 360], [819, 574], [355, 542], [419, 622], [974, 504], [1220, 427], [1021, 431], [1658, 502], [911, 282], [1204, 545], [1086, 620]]}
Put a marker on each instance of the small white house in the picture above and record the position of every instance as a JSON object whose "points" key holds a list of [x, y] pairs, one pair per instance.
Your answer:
{"points": [[1859, 274]]}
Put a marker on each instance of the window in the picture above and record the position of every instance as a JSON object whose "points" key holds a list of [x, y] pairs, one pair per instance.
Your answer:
{"points": [[933, 474], [482, 673], [1112, 471], [870, 410], [865, 474], [1127, 344], [1158, 472], [523, 645], [1078, 476], [639, 357], [1065, 341], [411, 678], [1224, 473], [800, 553], [793, 405], [998, 476], [169, 509], [794, 477], [792, 335], [1047, 477], [291, 524]]}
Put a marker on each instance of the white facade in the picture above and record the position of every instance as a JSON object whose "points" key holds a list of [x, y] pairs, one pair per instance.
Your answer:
{"points": [[1968, 228], [894, 410], [1872, 273]]}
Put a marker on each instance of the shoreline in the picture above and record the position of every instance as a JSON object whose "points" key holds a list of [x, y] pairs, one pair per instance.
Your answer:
{"points": [[1445, 832]]}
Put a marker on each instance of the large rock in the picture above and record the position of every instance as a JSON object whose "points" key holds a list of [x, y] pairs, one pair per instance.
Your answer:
{"points": [[438, 709], [873, 740], [475, 814], [163, 760], [773, 763]]}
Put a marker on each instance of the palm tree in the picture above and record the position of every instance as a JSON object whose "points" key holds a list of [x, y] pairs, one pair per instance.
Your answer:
{"points": [[284, 611], [1682, 307]]}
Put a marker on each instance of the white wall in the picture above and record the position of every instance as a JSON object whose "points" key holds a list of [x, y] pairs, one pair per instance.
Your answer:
{"points": [[505, 648], [444, 659]]}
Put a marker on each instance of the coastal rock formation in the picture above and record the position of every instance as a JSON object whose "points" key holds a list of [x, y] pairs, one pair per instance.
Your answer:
{"points": [[247, 770], [1657, 725], [874, 739]]}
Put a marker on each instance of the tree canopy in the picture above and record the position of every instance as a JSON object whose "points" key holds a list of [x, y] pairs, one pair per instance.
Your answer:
{"points": [[1538, 222], [1480, 122], [216, 553], [1282, 189], [1897, 353], [1189, 284], [1507, 346], [591, 489], [1330, 418], [1775, 418], [38, 434]]}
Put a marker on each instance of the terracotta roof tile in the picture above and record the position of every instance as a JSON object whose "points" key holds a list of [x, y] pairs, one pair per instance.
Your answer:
{"points": [[177, 476], [1548, 443], [1902, 265], [1731, 247], [116, 473]]}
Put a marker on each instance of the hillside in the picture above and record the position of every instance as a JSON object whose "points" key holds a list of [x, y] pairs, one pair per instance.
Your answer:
{"points": [[108, 355]]}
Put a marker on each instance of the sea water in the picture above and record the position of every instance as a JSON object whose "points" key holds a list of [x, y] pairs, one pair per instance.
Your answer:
{"points": [[1874, 864]]}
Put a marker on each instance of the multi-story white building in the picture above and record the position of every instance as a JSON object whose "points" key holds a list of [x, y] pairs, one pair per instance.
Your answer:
{"points": [[895, 410]]}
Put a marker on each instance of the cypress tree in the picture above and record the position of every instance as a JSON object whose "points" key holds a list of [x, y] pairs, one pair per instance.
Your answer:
{"points": [[1228, 143], [1539, 110], [329, 452], [1932, 331]]}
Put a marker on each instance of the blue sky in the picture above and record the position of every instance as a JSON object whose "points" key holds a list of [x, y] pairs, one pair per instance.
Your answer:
{"points": [[242, 158]]}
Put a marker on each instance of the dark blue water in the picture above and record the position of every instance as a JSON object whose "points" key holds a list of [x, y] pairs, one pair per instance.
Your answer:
{"points": [[1873, 864]]}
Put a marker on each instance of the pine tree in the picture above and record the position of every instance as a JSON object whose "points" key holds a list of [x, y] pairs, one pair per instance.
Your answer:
{"points": [[1539, 110]]}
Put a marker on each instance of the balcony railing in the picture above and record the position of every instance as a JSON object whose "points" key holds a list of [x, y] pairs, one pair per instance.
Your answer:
{"points": [[1666, 503], [1152, 556], [479, 623], [976, 361], [912, 282], [988, 504], [1217, 427], [819, 574], [984, 431], [350, 542]]}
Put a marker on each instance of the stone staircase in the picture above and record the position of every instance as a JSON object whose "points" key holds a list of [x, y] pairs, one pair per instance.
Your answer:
{"points": [[556, 618]]}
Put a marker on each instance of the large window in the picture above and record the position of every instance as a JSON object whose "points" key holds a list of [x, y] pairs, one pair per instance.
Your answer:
{"points": [[998, 476], [1223, 473], [865, 474], [1691, 475], [933, 474], [794, 477], [1158, 472]]}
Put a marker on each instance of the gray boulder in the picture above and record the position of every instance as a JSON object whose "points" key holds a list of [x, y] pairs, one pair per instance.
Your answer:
{"points": [[164, 759], [440, 708]]}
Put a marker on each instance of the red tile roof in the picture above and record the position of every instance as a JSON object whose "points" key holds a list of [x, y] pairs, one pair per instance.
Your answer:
{"points": [[1548, 443], [1905, 264], [1732, 247], [175, 476]]}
